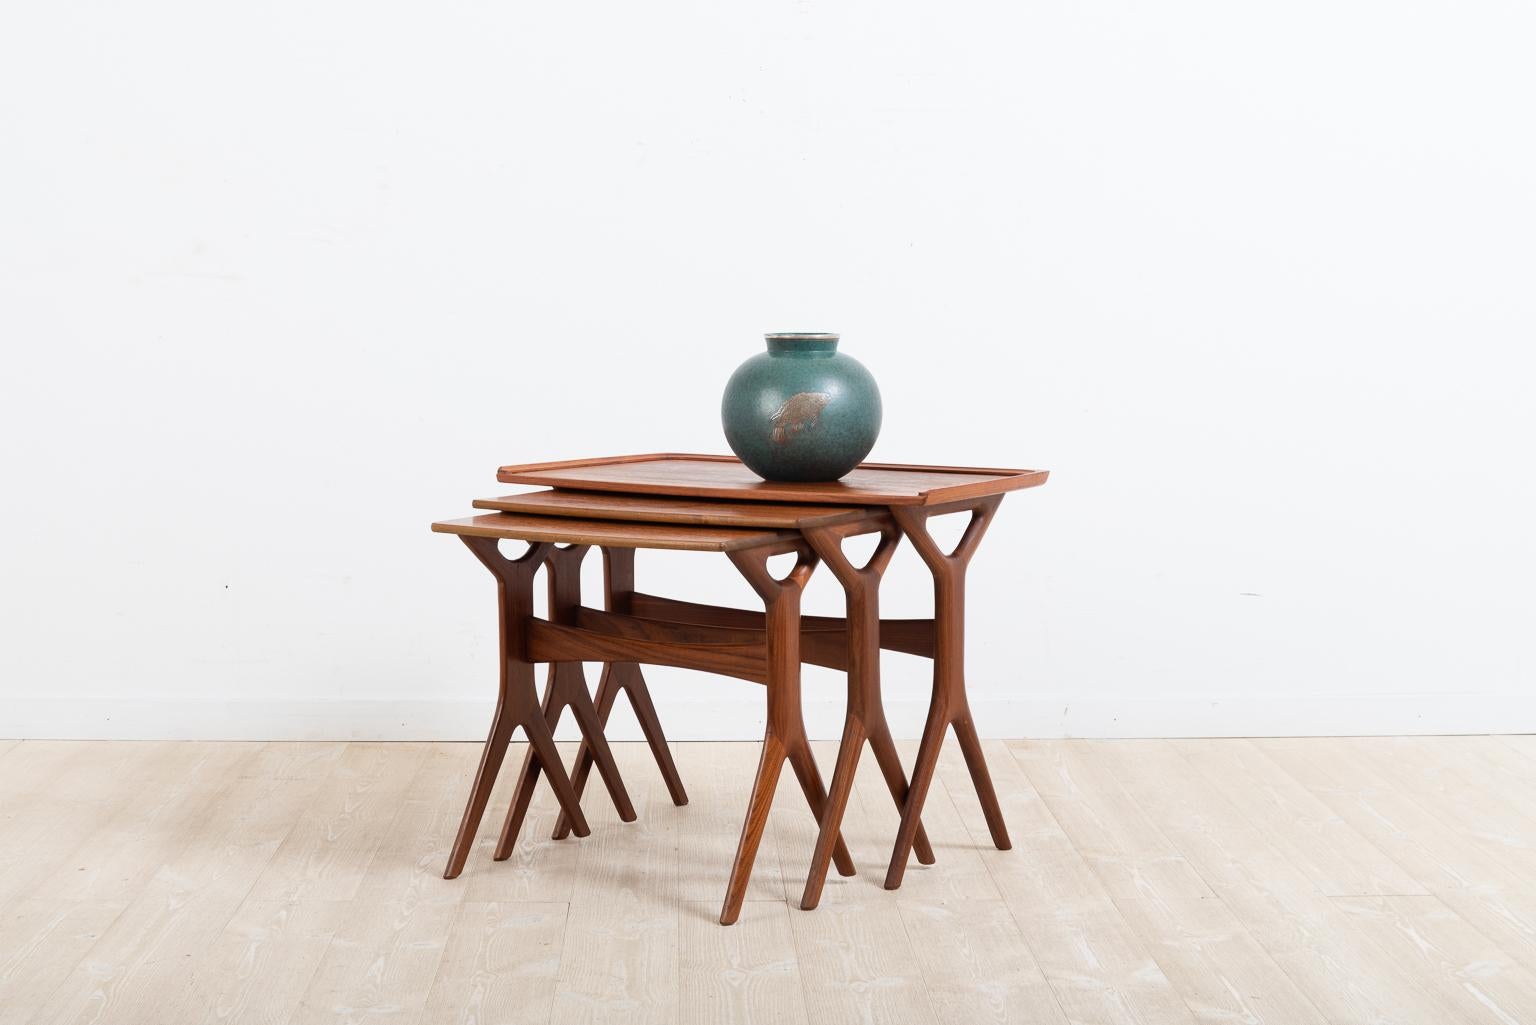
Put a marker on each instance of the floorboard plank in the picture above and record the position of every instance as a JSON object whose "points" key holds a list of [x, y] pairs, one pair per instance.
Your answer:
{"points": [[41, 942], [1508, 917], [145, 959], [500, 966], [262, 963], [634, 864], [745, 973], [1370, 801], [619, 965], [293, 760], [1521, 743], [1488, 808], [620, 959], [379, 965], [1316, 944], [976, 966], [858, 964], [1312, 836], [326, 854], [54, 794], [1098, 968], [408, 862], [1219, 969], [1449, 954], [174, 793]]}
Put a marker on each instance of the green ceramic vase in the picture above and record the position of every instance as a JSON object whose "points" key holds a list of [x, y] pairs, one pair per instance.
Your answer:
{"points": [[802, 411]]}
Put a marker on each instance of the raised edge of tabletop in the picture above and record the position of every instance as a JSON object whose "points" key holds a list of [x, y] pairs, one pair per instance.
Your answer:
{"points": [[1004, 482], [655, 508], [567, 464], [613, 534]]}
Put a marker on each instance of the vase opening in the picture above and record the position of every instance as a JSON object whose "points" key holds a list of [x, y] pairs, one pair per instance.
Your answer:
{"points": [[802, 343]]}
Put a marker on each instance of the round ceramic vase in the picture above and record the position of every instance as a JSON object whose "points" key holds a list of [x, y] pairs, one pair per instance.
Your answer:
{"points": [[802, 411]]}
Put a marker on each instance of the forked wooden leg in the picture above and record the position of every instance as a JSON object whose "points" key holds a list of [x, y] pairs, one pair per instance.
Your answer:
{"points": [[618, 589], [784, 738], [981, 779], [566, 687], [543, 744], [948, 705], [597, 743], [606, 692], [517, 702], [848, 753], [650, 725], [618, 585], [884, 747], [922, 776], [480, 793], [866, 716], [804, 764], [758, 806], [528, 773], [630, 681]]}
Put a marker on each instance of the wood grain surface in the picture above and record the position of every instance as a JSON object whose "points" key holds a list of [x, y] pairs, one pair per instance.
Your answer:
{"points": [[567, 530], [709, 476], [600, 505]]}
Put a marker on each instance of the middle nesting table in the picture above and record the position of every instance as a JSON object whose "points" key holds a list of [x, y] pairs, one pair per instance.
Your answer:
{"points": [[634, 627]]}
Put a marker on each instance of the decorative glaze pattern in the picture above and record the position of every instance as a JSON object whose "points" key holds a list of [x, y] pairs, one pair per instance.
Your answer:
{"points": [[798, 413]]}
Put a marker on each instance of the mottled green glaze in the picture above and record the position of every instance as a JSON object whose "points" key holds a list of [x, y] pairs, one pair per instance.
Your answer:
{"points": [[802, 410]]}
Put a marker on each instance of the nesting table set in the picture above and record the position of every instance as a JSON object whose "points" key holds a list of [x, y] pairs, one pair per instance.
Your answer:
{"points": [[714, 503]]}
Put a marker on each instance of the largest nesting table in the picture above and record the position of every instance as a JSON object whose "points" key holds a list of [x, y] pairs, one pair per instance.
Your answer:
{"points": [[713, 503]]}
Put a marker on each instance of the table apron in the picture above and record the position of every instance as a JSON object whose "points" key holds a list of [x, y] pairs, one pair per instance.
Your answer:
{"points": [[911, 636]]}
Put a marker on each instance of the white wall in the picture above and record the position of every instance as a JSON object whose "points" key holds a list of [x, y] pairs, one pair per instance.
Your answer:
{"points": [[281, 283]]}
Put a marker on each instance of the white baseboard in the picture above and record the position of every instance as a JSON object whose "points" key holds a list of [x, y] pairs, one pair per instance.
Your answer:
{"points": [[742, 719]]}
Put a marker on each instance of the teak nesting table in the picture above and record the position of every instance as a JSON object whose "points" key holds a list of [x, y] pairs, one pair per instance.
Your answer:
{"points": [[713, 503]]}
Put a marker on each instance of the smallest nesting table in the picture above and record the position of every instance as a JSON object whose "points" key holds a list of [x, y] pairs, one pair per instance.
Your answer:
{"points": [[705, 503]]}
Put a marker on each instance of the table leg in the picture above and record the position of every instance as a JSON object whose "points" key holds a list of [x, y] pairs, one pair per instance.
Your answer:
{"points": [[865, 720], [566, 687], [618, 585], [784, 739], [517, 701], [949, 707]]}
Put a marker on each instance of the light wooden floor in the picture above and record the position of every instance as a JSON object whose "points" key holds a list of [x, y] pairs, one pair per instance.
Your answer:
{"points": [[1151, 882]]}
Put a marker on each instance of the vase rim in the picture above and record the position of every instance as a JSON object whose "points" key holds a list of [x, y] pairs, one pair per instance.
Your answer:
{"points": [[810, 336]]}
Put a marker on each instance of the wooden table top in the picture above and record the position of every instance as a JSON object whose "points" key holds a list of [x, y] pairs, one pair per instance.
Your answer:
{"points": [[599, 505], [612, 533], [703, 476]]}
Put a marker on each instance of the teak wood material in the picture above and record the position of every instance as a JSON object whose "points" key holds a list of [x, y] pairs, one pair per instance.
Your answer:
{"points": [[598, 505], [709, 476], [784, 738], [865, 717], [948, 707], [610, 533], [517, 701], [618, 587], [663, 644], [823, 639], [695, 503], [769, 654], [566, 688]]}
